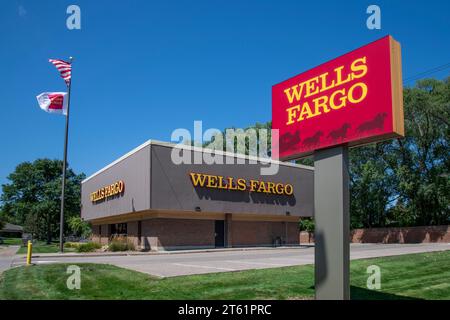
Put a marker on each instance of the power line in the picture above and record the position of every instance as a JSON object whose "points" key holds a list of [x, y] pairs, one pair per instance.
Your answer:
{"points": [[427, 72]]}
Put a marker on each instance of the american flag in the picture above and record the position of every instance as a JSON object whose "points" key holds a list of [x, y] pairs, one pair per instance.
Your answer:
{"points": [[64, 68]]}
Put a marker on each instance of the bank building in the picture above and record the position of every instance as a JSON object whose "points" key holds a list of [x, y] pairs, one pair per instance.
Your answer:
{"points": [[161, 205]]}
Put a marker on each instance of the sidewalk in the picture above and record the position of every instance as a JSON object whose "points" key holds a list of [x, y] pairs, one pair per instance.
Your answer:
{"points": [[7, 256]]}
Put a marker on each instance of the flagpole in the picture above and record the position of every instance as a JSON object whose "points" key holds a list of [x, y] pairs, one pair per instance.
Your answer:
{"points": [[66, 136]]}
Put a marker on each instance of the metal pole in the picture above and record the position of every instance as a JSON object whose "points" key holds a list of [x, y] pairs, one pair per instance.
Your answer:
{"points": [[66, 136], [332, 227]]}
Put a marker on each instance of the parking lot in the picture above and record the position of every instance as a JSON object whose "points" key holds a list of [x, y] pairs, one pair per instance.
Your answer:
{"points": [[187, 263]]}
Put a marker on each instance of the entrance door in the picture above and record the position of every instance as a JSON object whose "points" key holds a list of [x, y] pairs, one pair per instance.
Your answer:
{"points": [[219, 233]]}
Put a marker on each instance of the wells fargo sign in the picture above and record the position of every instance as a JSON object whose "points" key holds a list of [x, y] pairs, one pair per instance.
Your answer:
{"points": [[240, 184], [108, 191], [354, 99]]}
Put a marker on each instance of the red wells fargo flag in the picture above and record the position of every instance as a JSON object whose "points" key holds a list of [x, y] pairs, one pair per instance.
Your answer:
{"points": [[64, 68], [53, 102]]}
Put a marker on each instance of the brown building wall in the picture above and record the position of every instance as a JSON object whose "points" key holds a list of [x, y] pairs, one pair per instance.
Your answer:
{"points": [[152, 181], [132, 233], [160, 234], [292, 233], [95, 237], [424, 234], [306, 237], [105, 229], [167, 234], [263, 233], [104, 234]]}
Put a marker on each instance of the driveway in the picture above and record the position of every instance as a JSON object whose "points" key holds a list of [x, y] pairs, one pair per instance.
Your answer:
{"points": [[7, 256], [177, 264]]}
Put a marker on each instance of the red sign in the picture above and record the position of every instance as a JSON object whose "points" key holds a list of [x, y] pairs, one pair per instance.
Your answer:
{"points": [[354, 99]]}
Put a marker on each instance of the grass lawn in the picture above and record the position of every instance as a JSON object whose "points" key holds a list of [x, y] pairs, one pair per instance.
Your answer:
{"points": [[415, 276], [43, 247], [11, 241]]}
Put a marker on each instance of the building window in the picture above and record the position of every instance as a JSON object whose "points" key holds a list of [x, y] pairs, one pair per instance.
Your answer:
{"points": [[119, 229], [139, 232]]}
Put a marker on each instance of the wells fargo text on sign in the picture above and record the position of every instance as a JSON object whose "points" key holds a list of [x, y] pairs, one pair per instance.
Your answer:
{"points": [[108, 191], [354, 99], [240, 184]]}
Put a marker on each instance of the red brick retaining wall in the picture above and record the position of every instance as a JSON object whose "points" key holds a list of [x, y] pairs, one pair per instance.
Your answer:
{"points": [[394, 235]]}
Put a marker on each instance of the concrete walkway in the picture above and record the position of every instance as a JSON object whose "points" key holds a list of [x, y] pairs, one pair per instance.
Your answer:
{"points": [[168, 265], [7, 256]]}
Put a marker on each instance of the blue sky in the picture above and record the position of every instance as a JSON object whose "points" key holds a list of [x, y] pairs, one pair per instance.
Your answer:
{"points": [[145, 68]]}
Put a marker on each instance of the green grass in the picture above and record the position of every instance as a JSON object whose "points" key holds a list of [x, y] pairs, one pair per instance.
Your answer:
{"points": [[12, 241], [43, 247], [416, 276]]}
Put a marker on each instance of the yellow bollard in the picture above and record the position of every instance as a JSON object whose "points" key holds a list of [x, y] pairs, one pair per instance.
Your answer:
{"points": [[30, 250]]}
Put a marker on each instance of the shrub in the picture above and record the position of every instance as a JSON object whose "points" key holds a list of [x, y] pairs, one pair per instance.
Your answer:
{"points": [[120, 244], [88, 247], [306, 224], [74, 245]]}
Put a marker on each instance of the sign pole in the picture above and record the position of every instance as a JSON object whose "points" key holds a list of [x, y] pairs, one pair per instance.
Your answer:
{"points": [[66, 136], [332, 227]]}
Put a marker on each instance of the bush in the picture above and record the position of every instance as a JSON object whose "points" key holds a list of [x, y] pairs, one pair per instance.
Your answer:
{"points": [[74, 245], [120, 244], [307, 224], [79, 227], [88, 246]]}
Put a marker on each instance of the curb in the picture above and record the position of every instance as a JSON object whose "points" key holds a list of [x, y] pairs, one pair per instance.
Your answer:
{"points": [[131, 253]]}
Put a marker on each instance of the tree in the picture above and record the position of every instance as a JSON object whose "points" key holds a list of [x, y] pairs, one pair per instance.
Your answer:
{"points": [[371, 186], [32, 198], [79, 227], [2, 221], [308, 225], [420, 163], [404, 182]]}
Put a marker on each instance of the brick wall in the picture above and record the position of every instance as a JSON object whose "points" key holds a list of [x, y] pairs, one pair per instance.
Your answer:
{"points": [[306, 237], [177, 233], [166, 234], [425, 234], [292, 233], [132, 233], [254, 233], [95, 237], [101, 236]]}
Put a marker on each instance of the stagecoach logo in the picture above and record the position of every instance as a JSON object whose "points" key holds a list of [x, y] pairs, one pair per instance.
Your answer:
{"points": [[109, 191], [240, 184]]}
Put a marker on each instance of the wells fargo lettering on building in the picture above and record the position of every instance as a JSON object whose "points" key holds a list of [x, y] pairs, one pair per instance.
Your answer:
{"points": [[240, 184], [353, 99], [108, 191]]}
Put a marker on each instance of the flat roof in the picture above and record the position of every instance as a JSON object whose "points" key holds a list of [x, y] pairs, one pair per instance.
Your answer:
{"points": [[9, 227], [198, 149]]}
